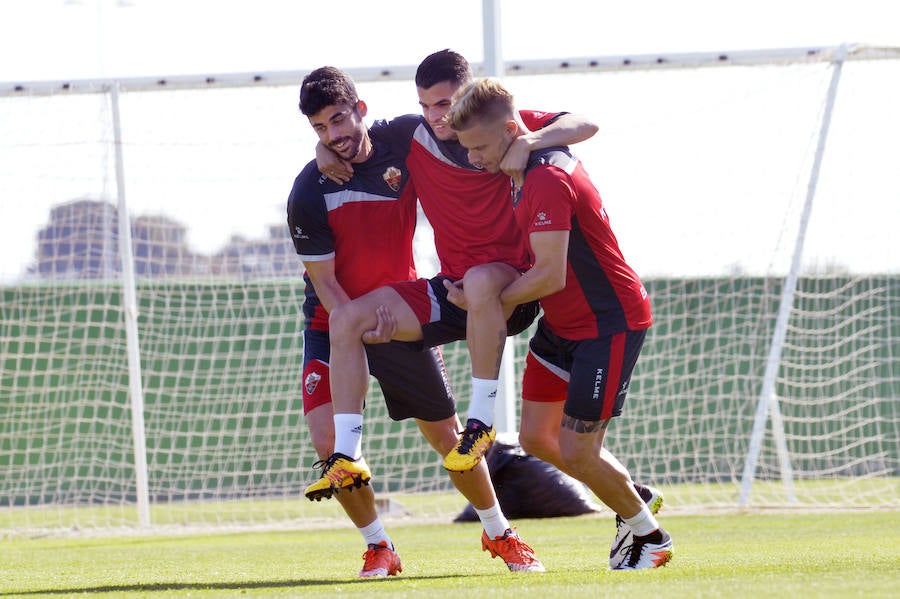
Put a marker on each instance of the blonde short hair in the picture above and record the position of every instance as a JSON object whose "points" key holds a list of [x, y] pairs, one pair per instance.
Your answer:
{"points": [[481, 101]]}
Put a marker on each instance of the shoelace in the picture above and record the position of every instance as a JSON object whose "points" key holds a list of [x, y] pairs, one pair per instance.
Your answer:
{"points": [[470, 436], [372, 554], [520, 549], [326, 466], [631, 556]]}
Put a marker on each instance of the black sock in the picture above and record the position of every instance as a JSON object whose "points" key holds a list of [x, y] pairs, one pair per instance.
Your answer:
{"points": [[654, 537]]}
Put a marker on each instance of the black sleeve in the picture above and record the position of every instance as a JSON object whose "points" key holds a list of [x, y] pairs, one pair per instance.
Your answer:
{"points": [[307, 214]]}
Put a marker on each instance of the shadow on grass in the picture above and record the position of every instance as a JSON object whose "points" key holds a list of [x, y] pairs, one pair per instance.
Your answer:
{"points": [[221, 586]]}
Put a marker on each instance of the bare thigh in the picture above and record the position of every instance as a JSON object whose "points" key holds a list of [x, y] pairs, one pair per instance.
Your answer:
{"points": [[359, 315]]}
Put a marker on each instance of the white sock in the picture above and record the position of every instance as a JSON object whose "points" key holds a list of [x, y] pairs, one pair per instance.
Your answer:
{"points": [[493, 521], [348, 434], [484, 393], [374, 533], [642, 523]]}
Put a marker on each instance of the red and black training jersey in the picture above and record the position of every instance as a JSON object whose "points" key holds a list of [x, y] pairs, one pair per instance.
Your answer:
{"points": [[366, 225], [603, 295], [469, 209]]}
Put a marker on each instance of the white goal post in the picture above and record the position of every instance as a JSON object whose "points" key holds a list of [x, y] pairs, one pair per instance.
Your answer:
{"points": [[150, 308]]}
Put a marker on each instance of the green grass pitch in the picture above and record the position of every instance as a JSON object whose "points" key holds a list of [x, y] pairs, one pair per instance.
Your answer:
{"points": [[822, 554]]}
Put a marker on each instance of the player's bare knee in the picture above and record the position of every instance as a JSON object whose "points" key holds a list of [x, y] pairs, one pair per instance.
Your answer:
{"points": [[482, 284], [347, 322], [442, 436]]}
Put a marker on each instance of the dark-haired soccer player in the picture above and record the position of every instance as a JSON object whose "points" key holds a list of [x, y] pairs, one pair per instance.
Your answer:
{"points": [[354, 237], [473, 225], [477, 241]]}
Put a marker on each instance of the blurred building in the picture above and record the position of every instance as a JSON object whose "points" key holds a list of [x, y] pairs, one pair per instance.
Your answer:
{"points": [[81, 241], [273, 256]]}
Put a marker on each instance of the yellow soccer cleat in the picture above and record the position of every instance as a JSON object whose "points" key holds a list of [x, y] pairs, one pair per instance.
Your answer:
{"points": [[338, 472], [471, 447]]}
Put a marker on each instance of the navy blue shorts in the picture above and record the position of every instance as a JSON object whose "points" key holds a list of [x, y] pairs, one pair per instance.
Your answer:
{"points": [[590, 375]]}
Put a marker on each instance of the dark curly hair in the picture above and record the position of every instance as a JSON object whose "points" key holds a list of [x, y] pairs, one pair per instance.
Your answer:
{"points": [[326, 86]]}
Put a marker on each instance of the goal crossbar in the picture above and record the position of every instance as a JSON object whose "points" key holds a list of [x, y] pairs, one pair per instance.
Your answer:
{"points": [[584, 64]]}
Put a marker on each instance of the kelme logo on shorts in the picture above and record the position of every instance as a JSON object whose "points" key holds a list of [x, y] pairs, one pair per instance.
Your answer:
{"points": [[598, 383]]}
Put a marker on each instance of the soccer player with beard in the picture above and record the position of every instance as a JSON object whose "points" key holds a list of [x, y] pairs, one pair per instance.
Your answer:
{"points": [[480, 248], [354, 237]]}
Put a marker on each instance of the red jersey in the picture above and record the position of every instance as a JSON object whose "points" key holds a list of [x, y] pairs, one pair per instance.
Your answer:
{"points": [[469, 209], [603, 295], [366, 225]]}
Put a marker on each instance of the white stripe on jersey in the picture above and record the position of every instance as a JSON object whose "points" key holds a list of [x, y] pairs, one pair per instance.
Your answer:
{"points": [[316, 257], [336, 199], [424, 138], [569, 167], [562, 160]]}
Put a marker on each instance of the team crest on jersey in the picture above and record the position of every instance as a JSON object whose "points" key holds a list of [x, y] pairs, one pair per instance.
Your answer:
{"points": [[311, 382], [392, 177]]}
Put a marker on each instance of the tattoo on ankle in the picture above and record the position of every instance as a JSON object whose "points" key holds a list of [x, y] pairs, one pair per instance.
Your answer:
{"points": [[584, 426]]}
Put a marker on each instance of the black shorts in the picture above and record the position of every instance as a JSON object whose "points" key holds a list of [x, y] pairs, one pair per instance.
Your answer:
{"points": [[591, 375], [444, 322], [414, 382]]}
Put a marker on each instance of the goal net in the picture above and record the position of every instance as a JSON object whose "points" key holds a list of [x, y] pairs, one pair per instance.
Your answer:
{"points": [[157, 382]]}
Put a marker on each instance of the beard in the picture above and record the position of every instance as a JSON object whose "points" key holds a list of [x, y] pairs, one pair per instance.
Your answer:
{"points": [[351, 151]]}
